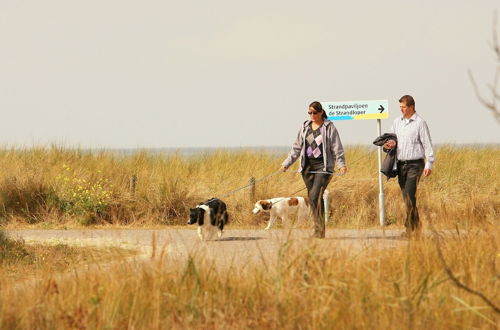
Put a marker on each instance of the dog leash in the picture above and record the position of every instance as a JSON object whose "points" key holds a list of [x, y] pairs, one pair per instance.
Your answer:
{"points": [[278, 171], [323, 172], [340, 174], [250, 184], [284, 198]]}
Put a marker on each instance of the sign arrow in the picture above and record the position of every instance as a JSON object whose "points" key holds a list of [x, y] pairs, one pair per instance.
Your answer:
{"points": [[381, 109]]}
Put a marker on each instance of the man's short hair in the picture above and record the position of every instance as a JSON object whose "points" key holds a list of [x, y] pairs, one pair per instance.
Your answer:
{"points": [[408, 100]]}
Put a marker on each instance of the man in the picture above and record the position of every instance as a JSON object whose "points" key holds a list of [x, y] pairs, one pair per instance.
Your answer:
{"points": [[415, 156]]}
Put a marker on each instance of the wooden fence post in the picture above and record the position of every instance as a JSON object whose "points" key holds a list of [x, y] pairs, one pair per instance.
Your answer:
{"points": [[252, 189], [132, 185]]}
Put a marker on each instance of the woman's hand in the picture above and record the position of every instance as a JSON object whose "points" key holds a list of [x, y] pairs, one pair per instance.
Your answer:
{"points": [[343, 170]]}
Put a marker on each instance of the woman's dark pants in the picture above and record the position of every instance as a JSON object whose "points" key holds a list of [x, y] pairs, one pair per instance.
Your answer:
{"points": [[409, 173], [316, 184]]}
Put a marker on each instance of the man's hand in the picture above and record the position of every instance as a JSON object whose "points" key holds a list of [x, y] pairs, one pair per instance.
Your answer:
{"points": [[390, 144], [343, 170], [427, 172], [283, 169]]}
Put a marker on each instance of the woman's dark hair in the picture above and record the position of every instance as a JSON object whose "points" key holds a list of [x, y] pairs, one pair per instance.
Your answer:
{"points": [[317, 106]]}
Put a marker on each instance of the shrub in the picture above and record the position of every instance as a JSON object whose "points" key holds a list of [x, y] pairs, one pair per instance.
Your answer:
{"points": [[26, 198], [88, 200]]}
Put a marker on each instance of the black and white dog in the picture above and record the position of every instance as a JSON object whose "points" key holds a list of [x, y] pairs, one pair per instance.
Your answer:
{"points": [[210, 217]]}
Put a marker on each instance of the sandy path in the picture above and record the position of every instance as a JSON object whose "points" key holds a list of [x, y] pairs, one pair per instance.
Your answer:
{"points": [[241, 247]]}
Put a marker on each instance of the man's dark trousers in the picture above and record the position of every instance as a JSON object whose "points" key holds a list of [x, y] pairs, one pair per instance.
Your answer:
{"points": [[409, 173]]}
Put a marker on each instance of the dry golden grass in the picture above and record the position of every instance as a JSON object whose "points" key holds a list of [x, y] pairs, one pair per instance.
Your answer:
{"points": [[307, 288], [58, 186]]}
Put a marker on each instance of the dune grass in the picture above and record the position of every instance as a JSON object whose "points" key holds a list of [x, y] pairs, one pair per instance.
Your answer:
{"points": [[58, 186]]}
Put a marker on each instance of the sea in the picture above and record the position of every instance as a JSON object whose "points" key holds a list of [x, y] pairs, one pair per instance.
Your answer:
{"points": [[274, 150]]}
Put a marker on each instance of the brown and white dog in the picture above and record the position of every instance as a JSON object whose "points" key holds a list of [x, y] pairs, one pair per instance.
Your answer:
{"points": [[284, 208]]}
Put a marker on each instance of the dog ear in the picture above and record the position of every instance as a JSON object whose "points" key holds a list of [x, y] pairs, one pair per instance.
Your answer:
{"points": [[293, 201], [201, 216], [193, 216], [266, 205]]}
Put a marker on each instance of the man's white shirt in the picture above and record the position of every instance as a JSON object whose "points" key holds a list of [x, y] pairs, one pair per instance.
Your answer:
{"points": [[414, 139]]}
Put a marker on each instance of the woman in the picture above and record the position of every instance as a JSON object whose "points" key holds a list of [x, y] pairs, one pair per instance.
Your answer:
{"points": [[318, 145]]}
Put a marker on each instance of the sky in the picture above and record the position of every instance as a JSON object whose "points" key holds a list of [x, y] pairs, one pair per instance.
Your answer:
{"points": [[228, 73]]}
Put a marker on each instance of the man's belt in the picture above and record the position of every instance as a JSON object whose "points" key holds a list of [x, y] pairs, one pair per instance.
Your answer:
{"points": [[413, 161]]}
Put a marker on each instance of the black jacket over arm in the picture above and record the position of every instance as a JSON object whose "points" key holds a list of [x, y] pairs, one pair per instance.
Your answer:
{"points": [[391, 157]]}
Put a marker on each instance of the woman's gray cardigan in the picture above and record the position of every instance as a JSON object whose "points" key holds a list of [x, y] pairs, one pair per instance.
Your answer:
{"points": [[332, 147]]}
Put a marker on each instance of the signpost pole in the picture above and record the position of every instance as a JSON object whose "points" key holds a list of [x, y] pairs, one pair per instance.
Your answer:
{"points": [[380, 186], [354, 110]]}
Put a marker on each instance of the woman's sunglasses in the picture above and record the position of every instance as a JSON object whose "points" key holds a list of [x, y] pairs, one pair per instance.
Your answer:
{"points": [[313, 112]]}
